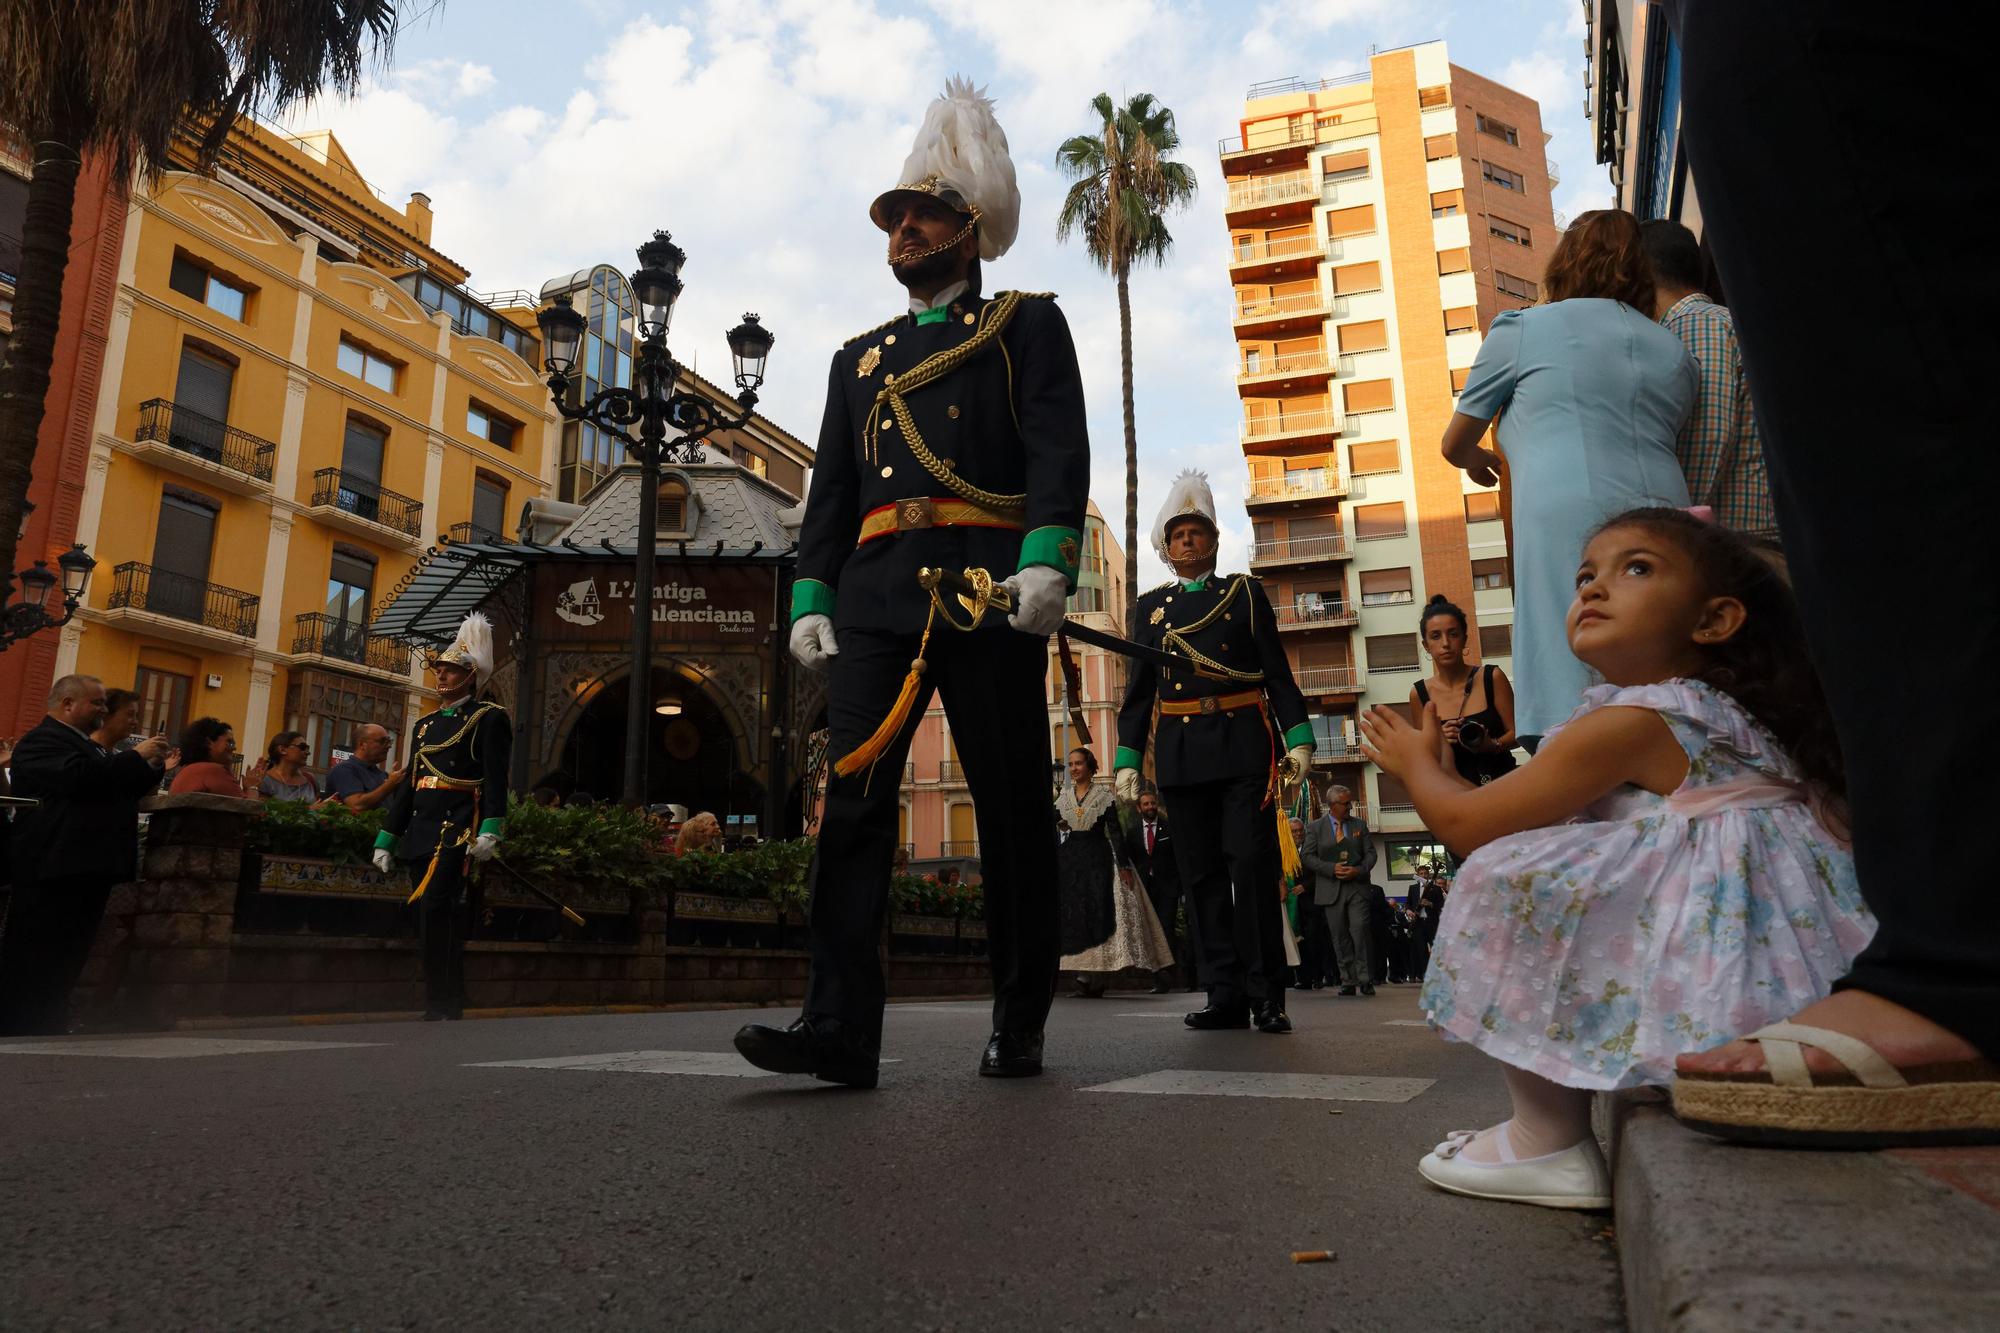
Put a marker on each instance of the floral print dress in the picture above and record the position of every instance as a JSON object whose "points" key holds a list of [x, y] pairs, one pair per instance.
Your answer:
{"points": [[1594, 952]]}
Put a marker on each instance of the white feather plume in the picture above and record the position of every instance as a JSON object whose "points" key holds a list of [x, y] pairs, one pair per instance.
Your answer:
{"points": [[473, 647], [1188, 495], [962, 144]]}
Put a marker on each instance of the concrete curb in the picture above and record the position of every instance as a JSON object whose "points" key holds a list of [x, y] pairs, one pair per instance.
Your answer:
{"points": [[1718, 1238], [517, 1011]]}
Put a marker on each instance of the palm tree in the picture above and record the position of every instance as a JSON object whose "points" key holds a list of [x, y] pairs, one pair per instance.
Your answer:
{"points": [[1124, 186], [121, 77]]}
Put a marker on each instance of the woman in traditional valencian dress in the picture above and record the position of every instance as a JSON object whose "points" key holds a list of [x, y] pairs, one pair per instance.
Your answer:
{"points": [[1107, 925]]}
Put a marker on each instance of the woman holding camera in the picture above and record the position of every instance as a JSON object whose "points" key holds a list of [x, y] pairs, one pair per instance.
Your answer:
{"points": [[1475, 704]]}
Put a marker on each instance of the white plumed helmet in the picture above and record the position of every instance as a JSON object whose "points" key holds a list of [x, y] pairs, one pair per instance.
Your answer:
{"points": [[1188, 497], [473, 648], [960, 157]]}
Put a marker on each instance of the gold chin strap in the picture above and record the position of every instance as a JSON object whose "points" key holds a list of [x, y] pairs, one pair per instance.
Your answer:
{"points": [[897, 261]]}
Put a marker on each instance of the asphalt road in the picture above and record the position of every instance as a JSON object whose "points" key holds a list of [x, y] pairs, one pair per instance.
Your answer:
{"points": [[408, 1182]]}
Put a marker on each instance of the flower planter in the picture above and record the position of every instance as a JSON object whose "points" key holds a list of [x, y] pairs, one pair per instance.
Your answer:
{"points": [[319, 877]]}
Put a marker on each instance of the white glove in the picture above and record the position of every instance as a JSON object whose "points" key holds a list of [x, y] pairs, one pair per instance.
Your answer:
{"points": [[812, 641], [1300, 760], [484, 846], [385, 860], [1040, 594], [1126, 780]]}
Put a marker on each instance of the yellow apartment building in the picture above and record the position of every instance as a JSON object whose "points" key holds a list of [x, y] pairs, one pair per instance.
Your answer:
{"points": [[299, 397], [1377, 224]]}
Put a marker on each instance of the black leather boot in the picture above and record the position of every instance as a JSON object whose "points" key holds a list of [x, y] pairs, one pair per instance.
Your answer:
{"points": [[825, 1048]]}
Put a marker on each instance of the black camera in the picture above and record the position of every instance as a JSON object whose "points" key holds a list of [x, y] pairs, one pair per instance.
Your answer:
{"points": [[1472, 733]]}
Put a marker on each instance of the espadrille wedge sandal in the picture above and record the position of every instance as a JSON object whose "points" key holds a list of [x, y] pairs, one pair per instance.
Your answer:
{"points": [[1869, 1104]]}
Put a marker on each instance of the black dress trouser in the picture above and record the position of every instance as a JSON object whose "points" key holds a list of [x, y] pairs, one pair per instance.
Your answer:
{"points": [[51, 925], [441, 932], [1226, 843], [992, 681], [1831, 186]]}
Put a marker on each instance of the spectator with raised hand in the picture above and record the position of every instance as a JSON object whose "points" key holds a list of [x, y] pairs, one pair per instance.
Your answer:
{"points": [[285, 776], [1591, 394], [80, 838], [359, 781], [208, 761]]}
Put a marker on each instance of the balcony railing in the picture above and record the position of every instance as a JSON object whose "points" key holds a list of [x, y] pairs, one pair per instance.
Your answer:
{"points": [[1555, 172], [1296, 363], [192, 432], [1314, 615], [1280, 189], [1308, 484], [357, 495], [318, 632], [1330, 680], [958, 847], [1291, 303], [460, 533], [951, 770], [1271, 136], [181, 597], [1285, 247], [1298, 548], [1289, 423]]}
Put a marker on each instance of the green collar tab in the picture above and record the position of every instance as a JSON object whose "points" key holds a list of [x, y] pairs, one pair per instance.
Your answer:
{"points": [[937, 314], [1195, 585]]}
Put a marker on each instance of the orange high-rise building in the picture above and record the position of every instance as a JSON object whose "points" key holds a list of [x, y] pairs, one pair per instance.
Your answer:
{"points": [[1377, 222]]}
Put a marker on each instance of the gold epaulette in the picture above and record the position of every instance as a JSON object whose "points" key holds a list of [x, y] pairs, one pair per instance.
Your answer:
{"points": [[869, 333], [1168, 586], [1041, 296]]}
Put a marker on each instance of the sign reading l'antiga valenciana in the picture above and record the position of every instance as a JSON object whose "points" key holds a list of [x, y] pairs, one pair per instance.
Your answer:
{"points": [[593, 600]]}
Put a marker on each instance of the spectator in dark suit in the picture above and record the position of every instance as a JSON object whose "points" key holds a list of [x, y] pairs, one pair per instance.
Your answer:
{"points": [[1150, 848], [68, 851]]}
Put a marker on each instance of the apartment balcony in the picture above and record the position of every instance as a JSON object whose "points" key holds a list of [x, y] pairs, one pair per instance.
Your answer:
{"points": [[1271, 198], [459, 534], [182, 440], [1309, 616], [1286, 432], [319, 639], [1299, 551], [1298, 488], [347, 500], [1260, 376], [959, 847], [1342, 753], [1269, 145], [1287, 257], [1326, 682], [187, 610], [952, 771], [1555, 172], [1271, 316]]}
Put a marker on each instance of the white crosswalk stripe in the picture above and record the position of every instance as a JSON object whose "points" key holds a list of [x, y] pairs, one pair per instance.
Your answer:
{"points": [[1230, 1083], [713, 1064], [173, 1048]]}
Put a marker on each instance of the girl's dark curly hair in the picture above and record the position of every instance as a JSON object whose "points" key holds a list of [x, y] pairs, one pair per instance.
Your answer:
{"points": [[1089, 759], [1439, 605], [1763, 666], [199, 735]]}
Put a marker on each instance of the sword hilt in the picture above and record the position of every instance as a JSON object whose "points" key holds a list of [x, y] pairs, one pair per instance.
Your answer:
{"points": [[951, 581]]}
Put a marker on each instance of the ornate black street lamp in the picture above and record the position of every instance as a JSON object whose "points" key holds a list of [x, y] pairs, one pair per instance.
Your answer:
{"points": [[32, 613], [652, 404]]}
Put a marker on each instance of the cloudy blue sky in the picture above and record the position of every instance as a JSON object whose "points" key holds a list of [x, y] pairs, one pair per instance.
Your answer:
{"points": [[551, 135]]}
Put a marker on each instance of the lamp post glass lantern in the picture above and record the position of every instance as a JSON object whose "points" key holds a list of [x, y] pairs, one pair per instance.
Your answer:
{"points": [[35, 610], [651, 404]]}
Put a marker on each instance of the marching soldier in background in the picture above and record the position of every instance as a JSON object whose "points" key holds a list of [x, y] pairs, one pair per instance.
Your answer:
{"points": [[954, 437], [452, 809], [1216, 757]]}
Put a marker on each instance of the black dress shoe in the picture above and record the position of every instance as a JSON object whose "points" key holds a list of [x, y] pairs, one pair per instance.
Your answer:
{"points": [[1160, 987], [825, 1048], [1347, 990], [1366, 990], [1218, 1018], [1012, 1055], [1270, 1018]]}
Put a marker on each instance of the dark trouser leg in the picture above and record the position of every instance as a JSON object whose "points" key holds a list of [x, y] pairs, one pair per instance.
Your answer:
{"points": [[50, 928], [1195, 960], [992, 683], [1776, 108], [1200, 822], [439, 913], [849, 878], [1251, 929], [1347, 921], [1320, 965]]}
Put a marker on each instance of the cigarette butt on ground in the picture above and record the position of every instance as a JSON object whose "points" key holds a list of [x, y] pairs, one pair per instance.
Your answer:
{"points": [[1312, 1256]]}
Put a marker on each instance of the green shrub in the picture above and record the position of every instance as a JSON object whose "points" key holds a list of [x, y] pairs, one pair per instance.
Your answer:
{"points": [[294, 828]]}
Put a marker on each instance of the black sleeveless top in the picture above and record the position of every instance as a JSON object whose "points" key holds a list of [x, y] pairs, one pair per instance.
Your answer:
{"points": [[1477, 766]]}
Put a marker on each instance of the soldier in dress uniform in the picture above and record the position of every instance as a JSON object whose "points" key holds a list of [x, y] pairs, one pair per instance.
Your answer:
{"points": [[1216, 757], [452, 810], [953, 437]]}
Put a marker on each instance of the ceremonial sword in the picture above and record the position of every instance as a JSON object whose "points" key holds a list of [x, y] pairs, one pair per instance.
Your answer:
{"points": [[535, 889], [945, 580]]}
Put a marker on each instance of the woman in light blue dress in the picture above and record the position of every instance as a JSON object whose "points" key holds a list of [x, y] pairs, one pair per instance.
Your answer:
{"points": [[1591, 394]]}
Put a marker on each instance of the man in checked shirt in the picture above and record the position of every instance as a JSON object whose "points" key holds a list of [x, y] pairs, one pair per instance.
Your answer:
{"points": [[1721, 454]]}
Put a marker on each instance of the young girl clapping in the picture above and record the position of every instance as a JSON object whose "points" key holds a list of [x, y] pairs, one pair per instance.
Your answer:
{"points": [[1660, 878]]}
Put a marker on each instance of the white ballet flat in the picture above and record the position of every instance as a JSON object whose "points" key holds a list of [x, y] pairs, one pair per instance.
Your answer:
{"points": [[1576, 1177]]}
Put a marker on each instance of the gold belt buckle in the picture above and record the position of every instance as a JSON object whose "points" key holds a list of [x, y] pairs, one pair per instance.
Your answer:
{"points": [[914, 513], [1207, 703]]}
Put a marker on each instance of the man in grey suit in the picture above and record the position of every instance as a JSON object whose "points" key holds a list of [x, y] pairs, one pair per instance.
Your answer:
{"points": [[1340, 854]]}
